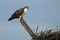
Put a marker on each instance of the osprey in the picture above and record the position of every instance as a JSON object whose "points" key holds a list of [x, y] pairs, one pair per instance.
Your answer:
{"points": [[19, 13]]}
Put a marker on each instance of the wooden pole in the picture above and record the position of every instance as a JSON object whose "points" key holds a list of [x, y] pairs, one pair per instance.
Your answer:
{"points": [[25, 25]]}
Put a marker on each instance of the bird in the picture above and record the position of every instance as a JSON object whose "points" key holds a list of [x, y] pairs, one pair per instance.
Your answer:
{"points": [[19, 13]]}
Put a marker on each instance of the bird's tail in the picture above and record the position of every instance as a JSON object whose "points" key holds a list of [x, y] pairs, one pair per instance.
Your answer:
{"points": [[11, 18]]}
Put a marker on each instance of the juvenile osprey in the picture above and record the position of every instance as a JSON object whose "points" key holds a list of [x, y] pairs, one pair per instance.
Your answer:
{"points": [[19, 13]]}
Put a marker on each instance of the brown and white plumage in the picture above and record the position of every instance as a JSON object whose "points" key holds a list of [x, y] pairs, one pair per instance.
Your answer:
{"points": [[18, 13]]}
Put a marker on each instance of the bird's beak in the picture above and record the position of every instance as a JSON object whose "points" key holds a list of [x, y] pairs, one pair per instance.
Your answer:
{"points": [[28, 7]]}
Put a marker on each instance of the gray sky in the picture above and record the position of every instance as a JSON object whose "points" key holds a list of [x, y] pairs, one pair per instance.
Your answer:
{"points": [[44, 13]]}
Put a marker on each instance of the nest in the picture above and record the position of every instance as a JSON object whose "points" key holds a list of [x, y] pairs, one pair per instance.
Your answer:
{"points": [[47, 36]]}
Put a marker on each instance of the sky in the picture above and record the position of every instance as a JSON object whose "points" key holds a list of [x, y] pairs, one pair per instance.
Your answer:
{"points": [[42, 13]]}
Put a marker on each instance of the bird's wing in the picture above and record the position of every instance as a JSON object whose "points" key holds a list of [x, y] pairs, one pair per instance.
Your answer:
{"points": [[18, 12]]}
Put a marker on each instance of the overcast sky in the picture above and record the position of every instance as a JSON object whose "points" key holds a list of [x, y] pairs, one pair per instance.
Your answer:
{"points": [[44, 13]]}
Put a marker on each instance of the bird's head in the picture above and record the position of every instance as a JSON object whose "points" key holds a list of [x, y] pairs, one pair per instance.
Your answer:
{"points": [[26, 7]]}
